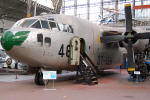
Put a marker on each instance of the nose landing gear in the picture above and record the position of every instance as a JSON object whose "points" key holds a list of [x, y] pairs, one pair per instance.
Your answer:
{"points": [[39, 78]]}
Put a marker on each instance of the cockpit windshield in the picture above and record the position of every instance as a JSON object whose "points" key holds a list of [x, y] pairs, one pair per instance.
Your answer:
{"points": [[43, 24], [28, 22], [36, 25]]}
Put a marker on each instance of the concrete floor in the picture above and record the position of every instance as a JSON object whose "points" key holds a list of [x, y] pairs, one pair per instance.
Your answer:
{"points": [[113, 85]]}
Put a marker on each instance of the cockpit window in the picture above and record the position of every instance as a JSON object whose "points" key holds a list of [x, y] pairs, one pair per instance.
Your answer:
{"points": [[65, 28], [53, 25], [36, 25], [62, 27], [45, 24], [70, 29], [28, 22]]}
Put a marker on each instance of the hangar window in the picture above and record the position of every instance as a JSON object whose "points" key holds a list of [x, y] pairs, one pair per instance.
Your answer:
{"points": [[28, 22], [53, 25], [45, 24], [36, 25]]}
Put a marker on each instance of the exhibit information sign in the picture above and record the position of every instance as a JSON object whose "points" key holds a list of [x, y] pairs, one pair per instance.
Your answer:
{"points": [[49, 75]]}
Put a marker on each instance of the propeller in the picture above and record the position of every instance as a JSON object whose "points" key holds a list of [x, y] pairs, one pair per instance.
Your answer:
{"points": [[129, 36], [145, 35], [128, 17]]}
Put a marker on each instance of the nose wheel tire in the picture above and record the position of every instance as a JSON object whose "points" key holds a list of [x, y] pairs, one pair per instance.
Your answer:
{"points": [[36, 80], [39, 78]]}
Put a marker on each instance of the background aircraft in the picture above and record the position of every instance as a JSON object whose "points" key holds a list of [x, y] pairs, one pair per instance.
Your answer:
{"points": [[61, 42]]}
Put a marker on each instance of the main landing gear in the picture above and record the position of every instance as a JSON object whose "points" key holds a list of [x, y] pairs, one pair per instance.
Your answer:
{"points": [[141, 71]]}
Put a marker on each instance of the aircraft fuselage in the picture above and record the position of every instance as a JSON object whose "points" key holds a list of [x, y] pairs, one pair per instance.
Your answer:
{"points": [[51, 48]]}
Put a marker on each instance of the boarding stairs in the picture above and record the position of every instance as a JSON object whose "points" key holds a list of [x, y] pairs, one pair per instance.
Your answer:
{"points": [[86, 72]]}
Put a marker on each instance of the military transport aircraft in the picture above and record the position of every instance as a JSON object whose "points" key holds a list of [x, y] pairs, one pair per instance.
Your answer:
{"points": [[61, 42]]}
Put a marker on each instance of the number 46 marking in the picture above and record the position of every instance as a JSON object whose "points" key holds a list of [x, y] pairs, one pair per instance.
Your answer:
{"points": [[61, 51]]}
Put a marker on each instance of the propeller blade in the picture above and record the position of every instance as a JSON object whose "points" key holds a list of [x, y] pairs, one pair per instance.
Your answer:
{"points": [[142, 35], [113, 38], [128, 17], [131, 62]]}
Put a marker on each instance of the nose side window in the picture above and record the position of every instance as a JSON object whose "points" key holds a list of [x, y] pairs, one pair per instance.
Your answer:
{"points": [[40, 38], [48, 41]]}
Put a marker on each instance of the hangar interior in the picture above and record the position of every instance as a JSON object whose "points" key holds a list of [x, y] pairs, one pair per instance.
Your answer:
{"points": [[98, 11], [102, 12], [107, 11], [129, 73]]}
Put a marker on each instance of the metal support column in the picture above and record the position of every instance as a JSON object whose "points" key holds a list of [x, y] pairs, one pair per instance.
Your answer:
{"points": [[101, 9], [116, 8], [75, 7], [133, 12], [88, 9], [63, 6], [35, 8], [133, 9], [29, 2]]}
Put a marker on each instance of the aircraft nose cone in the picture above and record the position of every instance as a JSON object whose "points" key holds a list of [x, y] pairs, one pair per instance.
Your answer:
{"points": [[9, 39]]}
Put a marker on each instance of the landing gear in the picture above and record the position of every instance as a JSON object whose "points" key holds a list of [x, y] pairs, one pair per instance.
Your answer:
{"points": [[59, 71], [141, 71], [39, 78]]}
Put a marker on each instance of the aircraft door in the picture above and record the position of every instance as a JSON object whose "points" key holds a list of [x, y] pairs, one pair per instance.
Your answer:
{"points": [[75, 51]]}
